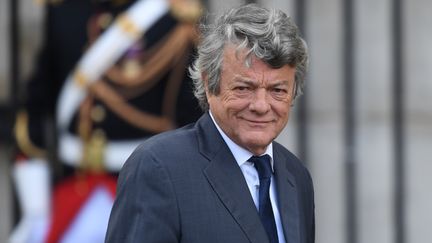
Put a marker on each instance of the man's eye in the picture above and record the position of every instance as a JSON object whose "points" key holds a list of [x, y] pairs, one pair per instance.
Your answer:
{"points": [[242, 88], [279, 91]]}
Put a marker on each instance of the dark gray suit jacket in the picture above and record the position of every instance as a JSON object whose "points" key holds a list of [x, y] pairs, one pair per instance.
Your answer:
{"points": [[185, 186]]}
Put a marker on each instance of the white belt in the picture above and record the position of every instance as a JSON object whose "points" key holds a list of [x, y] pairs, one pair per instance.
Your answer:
{"points": [[115, 153]]}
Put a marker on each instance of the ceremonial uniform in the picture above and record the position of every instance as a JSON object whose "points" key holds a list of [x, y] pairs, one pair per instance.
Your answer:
{"points": [[111, 74]]}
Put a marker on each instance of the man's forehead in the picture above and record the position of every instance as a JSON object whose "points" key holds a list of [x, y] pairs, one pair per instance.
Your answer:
{"points": [[238, 55], [235, 58], [236, 52]]}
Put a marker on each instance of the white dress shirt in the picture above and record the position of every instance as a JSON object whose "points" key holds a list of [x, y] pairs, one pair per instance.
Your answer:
{"points": [[242, 155]]}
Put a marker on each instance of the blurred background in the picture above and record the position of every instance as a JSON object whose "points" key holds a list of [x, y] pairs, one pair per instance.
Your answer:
{"points": [[363, 127]]}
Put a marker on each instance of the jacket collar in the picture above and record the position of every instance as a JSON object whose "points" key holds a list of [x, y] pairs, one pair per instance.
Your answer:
{"points": [[287, 198], [226, 179]]}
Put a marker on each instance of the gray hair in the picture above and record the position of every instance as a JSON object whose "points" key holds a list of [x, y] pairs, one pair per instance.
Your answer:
{"points": [[270, 35]]}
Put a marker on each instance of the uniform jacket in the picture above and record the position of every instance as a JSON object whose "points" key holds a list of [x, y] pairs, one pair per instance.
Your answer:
{"points": [[185, 186], [70, 28]]}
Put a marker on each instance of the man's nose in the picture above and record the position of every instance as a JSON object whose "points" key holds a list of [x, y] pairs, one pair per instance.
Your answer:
{"points": [[259, 102]]}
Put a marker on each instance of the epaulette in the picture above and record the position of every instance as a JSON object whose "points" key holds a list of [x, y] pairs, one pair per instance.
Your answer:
{"points": [[187, 10], [22, 137]]}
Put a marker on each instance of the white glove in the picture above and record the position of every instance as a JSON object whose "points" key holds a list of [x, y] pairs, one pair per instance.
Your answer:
{"points": [[32, 181]]}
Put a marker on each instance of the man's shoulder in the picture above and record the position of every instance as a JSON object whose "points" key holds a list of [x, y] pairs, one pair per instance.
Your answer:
{"points": [[171, 140], [164, 149], [176, 152]]}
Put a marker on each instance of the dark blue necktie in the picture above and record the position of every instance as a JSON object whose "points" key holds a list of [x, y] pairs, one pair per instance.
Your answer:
{"points": [[262, 165]]}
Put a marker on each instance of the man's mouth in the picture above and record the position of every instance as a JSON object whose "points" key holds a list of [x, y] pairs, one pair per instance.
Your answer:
{"points": [[257, 122]]}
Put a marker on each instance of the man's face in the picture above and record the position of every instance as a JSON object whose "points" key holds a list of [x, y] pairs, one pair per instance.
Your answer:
{"points": [[254, 102]]}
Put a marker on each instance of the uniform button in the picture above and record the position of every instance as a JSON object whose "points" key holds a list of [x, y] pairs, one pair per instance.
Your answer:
{"points": [[104, 20], [98, 113]]}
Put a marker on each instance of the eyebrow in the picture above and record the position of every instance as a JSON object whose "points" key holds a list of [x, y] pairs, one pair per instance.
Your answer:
{"points": [[252, 82], [244, 80], [281, 82]]}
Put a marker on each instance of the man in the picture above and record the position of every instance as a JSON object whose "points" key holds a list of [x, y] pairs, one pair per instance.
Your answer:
{"points": [[224, 179]]}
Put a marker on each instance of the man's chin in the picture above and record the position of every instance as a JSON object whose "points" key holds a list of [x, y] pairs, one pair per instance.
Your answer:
{"points": [[257, 144]]}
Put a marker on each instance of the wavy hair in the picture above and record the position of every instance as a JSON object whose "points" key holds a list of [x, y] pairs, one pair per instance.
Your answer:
{"points": [[270, 35]]}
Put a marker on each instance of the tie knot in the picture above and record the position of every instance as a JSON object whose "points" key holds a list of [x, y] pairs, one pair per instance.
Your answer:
{"points": [[262, 165]]}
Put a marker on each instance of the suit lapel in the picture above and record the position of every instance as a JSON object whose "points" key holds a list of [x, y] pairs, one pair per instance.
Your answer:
{"points": [[287, 199], [227, 180]]}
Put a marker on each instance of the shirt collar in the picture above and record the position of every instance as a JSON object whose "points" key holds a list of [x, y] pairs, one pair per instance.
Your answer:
{"points": [[241, 154]]}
